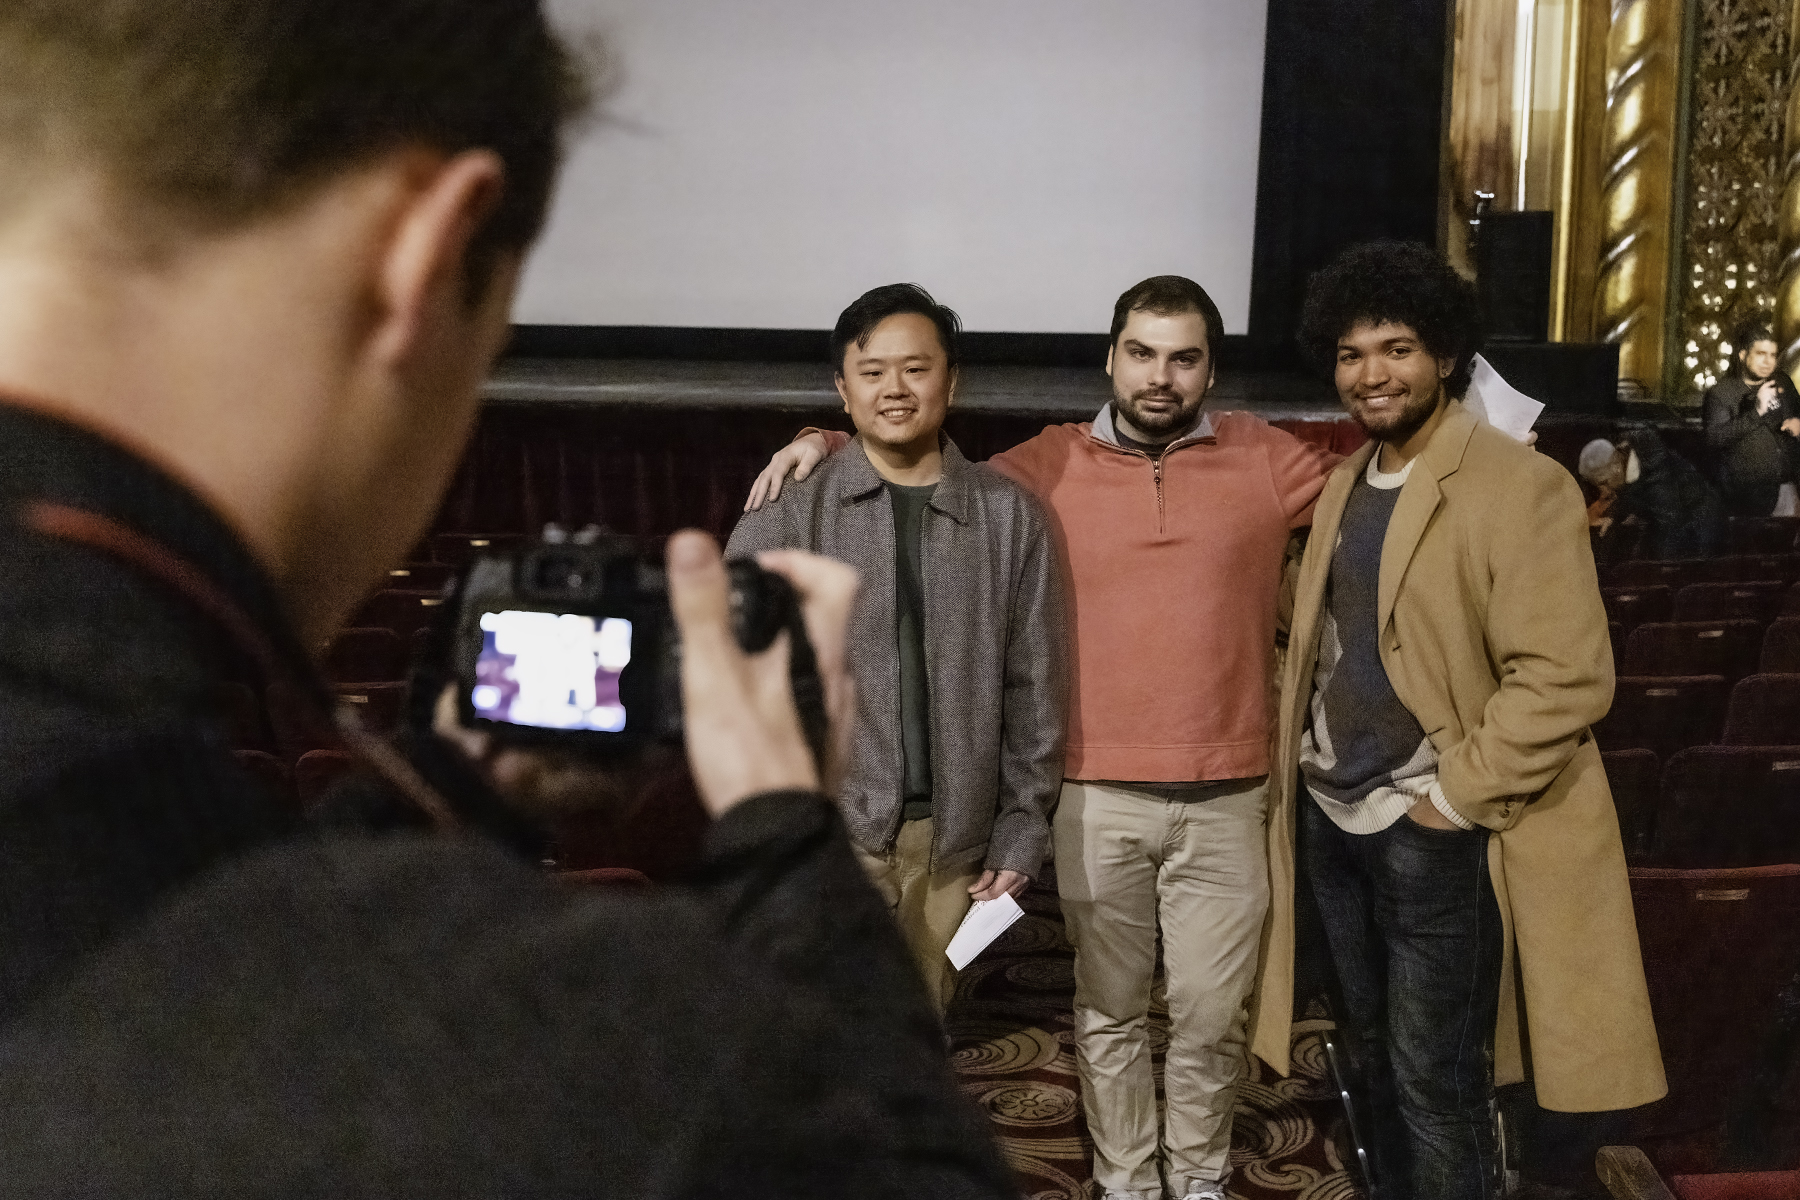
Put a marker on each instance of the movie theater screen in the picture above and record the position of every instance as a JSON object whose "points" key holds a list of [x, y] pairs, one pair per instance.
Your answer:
{"points": [[764, 163]]}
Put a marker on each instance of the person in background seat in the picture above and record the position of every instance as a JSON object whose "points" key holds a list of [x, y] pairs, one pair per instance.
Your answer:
{"points": [[1642, 480]]}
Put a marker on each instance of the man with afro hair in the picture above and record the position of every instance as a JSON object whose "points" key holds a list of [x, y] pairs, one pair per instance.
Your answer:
{"points": [[1434, 780]]}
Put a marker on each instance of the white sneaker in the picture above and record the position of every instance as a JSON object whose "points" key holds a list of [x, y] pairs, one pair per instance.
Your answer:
{"points": [[1205, 1189]]}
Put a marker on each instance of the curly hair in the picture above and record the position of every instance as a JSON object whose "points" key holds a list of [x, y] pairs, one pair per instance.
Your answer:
{"points": [[1406, 283]]}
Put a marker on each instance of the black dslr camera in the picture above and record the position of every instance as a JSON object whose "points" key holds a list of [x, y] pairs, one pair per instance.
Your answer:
{"points": [[570, 641]]}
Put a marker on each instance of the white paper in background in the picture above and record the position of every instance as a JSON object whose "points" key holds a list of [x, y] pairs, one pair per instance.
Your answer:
{"points": [[1499, 403], [987, 920]]}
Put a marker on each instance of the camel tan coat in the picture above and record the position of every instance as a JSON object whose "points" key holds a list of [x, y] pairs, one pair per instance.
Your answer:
{"points": [[1494, 637]]}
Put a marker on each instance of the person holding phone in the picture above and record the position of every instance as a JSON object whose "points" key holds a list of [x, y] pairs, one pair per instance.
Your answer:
{"points": [[1753, 425]]}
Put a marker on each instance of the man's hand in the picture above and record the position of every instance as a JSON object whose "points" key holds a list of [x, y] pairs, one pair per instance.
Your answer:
{"points": [[994, 884], [1768, 397], [743, 732], [1603, 525], [1425, 813], [1791, 427], [799, 456]]}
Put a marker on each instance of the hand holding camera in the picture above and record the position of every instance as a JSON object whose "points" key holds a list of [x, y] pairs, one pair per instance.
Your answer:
{"points": [[578, 666]]}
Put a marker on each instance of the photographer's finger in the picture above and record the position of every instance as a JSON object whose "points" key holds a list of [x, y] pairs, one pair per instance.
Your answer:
{"points": [[699, 593]]}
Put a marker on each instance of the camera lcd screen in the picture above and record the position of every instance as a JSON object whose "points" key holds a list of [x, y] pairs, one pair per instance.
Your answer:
{"points": [[552, 670]]}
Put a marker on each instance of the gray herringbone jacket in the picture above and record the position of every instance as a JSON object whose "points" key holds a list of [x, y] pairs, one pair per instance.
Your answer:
{"points": [[996, 658]]}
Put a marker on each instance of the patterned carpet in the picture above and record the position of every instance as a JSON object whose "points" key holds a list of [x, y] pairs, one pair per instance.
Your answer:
{"points": [[1011, 1029]]}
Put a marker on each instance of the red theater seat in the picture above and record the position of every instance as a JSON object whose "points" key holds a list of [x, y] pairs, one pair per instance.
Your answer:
{"points": [[400, 611], [1764, 711], [1629, 1175], [1727, 648], [1635, 778], [456, 549], [377, 705], [1718, 949], [1730, 806], [1758, 602], [1752, 568], [1634, 606], [1664, 714], [1645, 573], [317, 770], [1762, 535], [420, 576], [365, 656], [1781, 648]]}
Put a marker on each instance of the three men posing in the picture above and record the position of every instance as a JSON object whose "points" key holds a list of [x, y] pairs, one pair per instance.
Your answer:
{"points": [[1448, 653]]}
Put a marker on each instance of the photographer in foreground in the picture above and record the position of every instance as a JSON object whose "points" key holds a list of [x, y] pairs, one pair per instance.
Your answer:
{"points": [[255, 260]]}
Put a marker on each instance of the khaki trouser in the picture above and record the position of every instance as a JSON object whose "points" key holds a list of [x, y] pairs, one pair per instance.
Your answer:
{"points": [[1124, 859], [928, 905]]}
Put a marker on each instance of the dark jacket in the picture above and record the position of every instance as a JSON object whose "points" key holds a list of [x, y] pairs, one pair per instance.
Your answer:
{"points": [[996, 654], [1686, 517], [202, 996], [1755, 457]]}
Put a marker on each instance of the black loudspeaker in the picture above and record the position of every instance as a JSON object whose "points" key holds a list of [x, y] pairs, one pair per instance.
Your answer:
{"points": [[1512, 273], [1571, 377]]}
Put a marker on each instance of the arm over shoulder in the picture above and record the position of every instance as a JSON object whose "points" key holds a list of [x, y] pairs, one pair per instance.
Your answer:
{"points": [[1546, 635]]}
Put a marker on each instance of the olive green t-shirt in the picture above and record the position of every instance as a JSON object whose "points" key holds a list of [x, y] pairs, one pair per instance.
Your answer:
{"points": [[909, 633]]}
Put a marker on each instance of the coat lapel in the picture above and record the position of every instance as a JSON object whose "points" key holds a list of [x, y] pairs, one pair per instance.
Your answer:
{"points": [[1418, 503]]}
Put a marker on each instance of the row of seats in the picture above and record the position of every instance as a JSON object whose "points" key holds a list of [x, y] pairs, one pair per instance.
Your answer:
{"points": [[1730, 649], [1708, 806], [1735, 568], [1668, 714], [1762, 601]]}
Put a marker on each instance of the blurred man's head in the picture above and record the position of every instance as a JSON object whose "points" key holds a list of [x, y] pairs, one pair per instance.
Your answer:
{"points": [[895, 350], [1758, 354], [1398, 328], [1166, 332], [1603, 464], [272, 243]]}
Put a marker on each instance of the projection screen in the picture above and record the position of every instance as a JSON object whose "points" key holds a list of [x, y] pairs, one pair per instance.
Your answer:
{"points": [[764, 163]]}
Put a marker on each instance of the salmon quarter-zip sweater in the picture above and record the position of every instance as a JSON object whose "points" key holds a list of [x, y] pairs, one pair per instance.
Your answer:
{"points": [[1172, 569]]}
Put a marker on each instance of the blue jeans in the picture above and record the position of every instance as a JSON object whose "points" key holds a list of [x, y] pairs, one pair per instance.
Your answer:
{"points": [[1414, 933]]}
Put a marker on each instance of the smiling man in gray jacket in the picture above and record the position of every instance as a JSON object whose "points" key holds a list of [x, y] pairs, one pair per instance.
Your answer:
{"points": [[958, 645]]}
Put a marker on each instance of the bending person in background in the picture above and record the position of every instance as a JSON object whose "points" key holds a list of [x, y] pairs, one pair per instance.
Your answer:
{"points": [[1753, 426], [1641, 480], [1448, 653], [959, 646], [256, 260], [1174, 523]]}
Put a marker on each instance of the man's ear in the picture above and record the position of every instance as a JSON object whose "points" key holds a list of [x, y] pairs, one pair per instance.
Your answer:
{"points": [[955, 378], [1445, 367], [1109, 354], [423, 267], [837, 377]]}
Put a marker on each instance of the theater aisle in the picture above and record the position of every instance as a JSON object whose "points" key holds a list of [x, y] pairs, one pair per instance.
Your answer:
{"points": [[1013, 1048]]}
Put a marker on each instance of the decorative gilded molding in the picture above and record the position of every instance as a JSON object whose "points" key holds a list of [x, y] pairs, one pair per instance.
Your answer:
{"points": [[1631, 286], [1735, 180], [1787, 290]]}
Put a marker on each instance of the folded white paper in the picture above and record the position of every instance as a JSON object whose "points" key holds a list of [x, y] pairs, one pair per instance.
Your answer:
{"points": [[987, 920], [1499, 403]]}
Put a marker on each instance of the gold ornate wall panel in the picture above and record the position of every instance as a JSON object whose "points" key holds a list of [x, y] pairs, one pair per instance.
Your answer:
{"points": [[1631, 284], [1736, 168], [1787, 288]]}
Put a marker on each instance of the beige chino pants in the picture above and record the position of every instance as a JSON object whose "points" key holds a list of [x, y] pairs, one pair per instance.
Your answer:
{"points": [[928, 905], [1125, 860]]}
